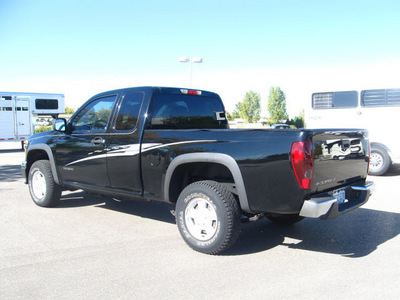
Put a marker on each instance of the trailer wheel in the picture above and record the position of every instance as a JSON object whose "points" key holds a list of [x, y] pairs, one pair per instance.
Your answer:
{"points": [[208, 217], [379, 161], [42, 187]]}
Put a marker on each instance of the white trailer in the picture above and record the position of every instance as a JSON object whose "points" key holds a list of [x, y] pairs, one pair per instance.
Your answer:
{"points": [[19, 112]]}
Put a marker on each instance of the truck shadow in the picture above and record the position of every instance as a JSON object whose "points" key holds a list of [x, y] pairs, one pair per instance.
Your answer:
{"points": [[356, 234], [79, 198], [352, 235], [10, 173], [155, 211], [159, 212]]}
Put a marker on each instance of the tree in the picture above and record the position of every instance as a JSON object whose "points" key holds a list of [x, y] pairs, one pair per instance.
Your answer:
{"points": [[69, 110], [302, 118], [235, 113], [298, 121], [277, 105], [250, 108]]}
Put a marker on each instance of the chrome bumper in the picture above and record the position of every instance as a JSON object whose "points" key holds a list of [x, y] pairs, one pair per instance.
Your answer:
{"points": [[325, 206]]}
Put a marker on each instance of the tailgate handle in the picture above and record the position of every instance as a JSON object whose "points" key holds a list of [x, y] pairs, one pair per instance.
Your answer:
{"points": [[345, 145], [97, 141]]}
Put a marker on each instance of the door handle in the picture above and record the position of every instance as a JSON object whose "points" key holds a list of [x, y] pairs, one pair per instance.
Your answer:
{"points": [[97, 141]]}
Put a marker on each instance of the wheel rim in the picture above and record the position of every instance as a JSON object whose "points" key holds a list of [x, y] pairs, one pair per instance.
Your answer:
{"points": [[39, 185], [201, 219], [376, 161]]}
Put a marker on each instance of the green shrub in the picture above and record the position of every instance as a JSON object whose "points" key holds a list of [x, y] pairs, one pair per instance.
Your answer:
{"points": [[43, 128]]}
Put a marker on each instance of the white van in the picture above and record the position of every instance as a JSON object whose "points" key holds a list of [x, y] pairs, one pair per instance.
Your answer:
{"points": [[376, 110], [19, 112]]}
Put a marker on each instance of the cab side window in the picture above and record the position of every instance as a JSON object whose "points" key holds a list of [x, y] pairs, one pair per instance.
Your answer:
{"points": [[129, 111], [94, 117]]}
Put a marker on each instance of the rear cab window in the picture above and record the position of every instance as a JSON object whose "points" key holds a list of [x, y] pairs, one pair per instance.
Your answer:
{"points": [[188, 112]]}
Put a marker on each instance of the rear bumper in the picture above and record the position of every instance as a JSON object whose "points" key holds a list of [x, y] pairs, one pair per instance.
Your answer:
{"points": [[326, 206]]}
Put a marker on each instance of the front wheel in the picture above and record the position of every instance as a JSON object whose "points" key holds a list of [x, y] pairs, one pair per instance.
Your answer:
{"points": [[44, 190], [208, 217]]}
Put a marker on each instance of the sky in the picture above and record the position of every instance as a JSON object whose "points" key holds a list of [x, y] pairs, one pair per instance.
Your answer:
{"points": [[83, 47]]}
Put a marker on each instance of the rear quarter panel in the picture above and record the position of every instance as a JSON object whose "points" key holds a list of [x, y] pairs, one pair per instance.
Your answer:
{"points": [[263, 157]]}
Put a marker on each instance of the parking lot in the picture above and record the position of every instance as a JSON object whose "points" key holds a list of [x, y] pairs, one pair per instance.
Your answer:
{"points": [[95, 248]]}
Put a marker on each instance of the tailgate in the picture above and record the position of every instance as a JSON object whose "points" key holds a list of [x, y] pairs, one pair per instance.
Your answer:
{"points": [[341, 157]]}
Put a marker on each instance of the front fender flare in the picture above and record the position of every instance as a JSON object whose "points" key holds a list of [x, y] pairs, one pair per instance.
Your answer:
{"points": [[218, 158], [47, 149]]}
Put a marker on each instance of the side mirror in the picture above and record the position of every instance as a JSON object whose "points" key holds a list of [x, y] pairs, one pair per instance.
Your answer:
{"points": [[60, 124]]}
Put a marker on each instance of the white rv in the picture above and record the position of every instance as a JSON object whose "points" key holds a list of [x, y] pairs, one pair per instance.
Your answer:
{"points": [[19, 112], [376, 110]]}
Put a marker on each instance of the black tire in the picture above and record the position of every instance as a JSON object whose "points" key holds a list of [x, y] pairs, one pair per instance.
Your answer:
{"points": [[42, 187], [282, 219], [379, 161], [208, 217]]}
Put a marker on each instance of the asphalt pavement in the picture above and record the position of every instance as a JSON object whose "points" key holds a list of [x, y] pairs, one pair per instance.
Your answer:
{"points": [[90, 247]]}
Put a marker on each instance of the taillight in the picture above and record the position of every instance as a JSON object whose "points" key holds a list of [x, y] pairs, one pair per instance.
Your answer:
{"points": [[303, 163]]}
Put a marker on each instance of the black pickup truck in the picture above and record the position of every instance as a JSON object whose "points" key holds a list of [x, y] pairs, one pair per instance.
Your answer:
{"points": [[174, 146]]}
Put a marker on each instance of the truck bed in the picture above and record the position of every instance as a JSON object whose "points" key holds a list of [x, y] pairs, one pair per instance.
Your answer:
{"points": [[263, 156]]}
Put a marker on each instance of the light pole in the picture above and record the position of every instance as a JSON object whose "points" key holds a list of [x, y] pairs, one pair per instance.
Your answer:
{"points": [[192, 60]]}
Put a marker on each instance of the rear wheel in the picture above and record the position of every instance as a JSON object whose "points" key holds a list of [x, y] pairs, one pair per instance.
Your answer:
{"points": [[208, 217], [379, 161], [42, 187], [282, 219]]}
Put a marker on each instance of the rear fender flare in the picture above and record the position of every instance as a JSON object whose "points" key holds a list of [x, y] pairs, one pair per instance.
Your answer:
{"points": [[218, 158]]}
